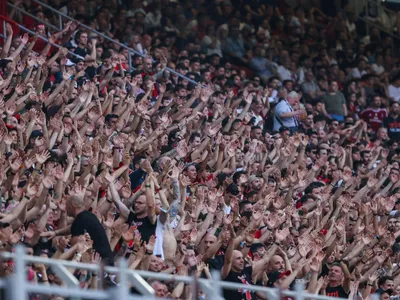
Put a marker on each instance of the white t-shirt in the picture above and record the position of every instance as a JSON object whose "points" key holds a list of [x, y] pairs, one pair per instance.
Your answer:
{"points": [[284, 73], [394, 92], [356, 73], [158, 246], [378, 69]]}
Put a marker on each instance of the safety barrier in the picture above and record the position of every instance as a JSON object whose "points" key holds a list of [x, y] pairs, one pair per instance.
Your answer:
{"points": [[61, 15], [17, 285]]}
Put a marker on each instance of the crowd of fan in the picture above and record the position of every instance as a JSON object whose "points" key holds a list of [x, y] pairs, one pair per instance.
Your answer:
{"points": [[280, 166]]}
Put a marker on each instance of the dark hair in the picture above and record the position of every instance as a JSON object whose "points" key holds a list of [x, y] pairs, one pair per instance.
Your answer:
{"points": [[383, 279], [242, 204], [312, 186], [193, 136], [255, 247], [236, 176]]}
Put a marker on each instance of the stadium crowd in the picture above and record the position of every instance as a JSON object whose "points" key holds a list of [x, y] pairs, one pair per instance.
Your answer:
{"points": [[280, 166]]}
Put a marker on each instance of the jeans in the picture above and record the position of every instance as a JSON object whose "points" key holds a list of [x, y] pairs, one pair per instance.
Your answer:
{"points": [[337, 117]]}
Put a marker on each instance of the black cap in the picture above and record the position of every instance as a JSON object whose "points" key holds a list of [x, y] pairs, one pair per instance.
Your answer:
{"points": [[274, 276], [36, 133]]}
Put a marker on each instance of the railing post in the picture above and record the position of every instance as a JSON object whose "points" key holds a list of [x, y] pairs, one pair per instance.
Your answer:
{"points": [[60, 22], [216, 288], [299, 291], [4, 31], [130, 61], [121, 291], [16, 289]]}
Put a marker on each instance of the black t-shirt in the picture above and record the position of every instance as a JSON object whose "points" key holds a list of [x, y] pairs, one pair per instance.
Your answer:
{"points": [[217, 262], [336, 292], [88, 222], [393, 127], [243, 277], [145, 227], [81, 51]]}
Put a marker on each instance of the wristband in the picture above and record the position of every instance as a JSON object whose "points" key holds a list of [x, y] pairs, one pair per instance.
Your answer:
{"points": [[147, 185], [278, 244], [248, 245], [27, 197], [370, 284], [149, 252], [67, 136], [78, 255]]}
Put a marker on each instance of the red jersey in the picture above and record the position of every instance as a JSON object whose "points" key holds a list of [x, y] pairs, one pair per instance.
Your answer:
{"points": [[374, 117]]}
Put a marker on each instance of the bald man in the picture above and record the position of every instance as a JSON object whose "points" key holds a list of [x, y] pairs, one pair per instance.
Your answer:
{"points": [[234, 269], [84, 222]]}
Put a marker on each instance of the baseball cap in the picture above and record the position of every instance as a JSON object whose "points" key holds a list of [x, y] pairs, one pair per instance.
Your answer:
{"points": [[36, 133], [274, 276]]}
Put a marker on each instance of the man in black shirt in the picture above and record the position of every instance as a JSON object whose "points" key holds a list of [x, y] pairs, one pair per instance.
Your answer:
{"points": [[82, 41], [144, 217], [392, 122], [234, 269], [338, 286], [84, 222]]}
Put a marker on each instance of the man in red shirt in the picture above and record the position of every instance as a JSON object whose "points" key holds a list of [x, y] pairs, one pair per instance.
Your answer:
{"points": [[374, 115]]}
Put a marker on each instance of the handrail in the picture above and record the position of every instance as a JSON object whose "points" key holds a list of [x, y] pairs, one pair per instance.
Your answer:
{"points": [[32, 16], [46, 40], [4, 36], [130, 50], [365, 19], [19, 286], [379, 7]]}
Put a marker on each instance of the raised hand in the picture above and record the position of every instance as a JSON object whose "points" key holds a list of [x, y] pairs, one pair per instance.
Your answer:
{"points": [[150, 245], [24, 39], [42, 157], [281, 235], [129, 234]]}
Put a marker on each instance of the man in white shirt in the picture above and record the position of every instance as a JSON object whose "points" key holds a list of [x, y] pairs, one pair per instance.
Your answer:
{"points": [[394, 89], [285, 115], [360, 71], [283, 70]]}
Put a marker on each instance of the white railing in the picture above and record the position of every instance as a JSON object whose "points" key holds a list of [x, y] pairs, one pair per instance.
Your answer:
{"points": [[17, 286], [81, 25]]}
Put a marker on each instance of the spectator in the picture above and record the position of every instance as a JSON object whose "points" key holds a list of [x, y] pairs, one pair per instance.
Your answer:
{"points": [[285, 115], [334, 103], [392, 122], [135, 161], [394, 89], [374, 115]]}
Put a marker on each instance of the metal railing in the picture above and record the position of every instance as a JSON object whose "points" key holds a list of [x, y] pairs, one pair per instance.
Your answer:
{"points": [[61, 15], [380, 8], [4, 36], [17, 286]]}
